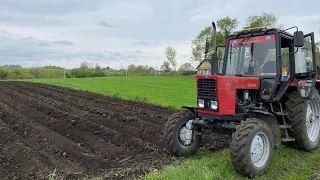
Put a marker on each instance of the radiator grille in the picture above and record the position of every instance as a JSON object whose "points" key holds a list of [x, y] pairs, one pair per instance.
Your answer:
{"points": [[207, 87]]}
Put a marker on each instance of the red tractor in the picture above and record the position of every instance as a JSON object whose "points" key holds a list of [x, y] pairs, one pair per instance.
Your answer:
{"points": [[264, 90]]}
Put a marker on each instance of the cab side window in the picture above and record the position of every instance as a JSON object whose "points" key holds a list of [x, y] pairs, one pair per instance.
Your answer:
{"points": [[286, 48]]}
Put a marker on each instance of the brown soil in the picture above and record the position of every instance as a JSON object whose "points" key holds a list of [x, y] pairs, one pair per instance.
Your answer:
{"points": [[81, 134]]}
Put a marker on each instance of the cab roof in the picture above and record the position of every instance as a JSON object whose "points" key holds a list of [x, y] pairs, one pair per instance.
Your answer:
{"points": [[259, 30]]}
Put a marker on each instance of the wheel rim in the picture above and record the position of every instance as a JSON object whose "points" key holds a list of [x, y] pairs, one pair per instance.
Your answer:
{"points": [[260, 149], [182, 136], [312, 119]]}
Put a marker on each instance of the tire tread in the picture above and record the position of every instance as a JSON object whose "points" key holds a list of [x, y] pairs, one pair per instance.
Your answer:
{"points": [[241, 142], [169, 133], [296, 107]]}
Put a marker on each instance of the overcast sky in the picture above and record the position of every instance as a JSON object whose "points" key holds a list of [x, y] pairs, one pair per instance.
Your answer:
{"points": [[120, 32]]}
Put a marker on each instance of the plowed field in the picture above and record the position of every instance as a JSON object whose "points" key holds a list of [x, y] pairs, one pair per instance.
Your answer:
{"points": [[43, 127]]}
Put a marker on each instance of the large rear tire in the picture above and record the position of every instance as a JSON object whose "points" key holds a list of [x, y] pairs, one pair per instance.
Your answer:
{"points": [[304, 120], [252, 147], [175, 135]]}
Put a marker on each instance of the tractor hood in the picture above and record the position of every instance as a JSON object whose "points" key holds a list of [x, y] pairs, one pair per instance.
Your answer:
{"points": [[222, 89]]}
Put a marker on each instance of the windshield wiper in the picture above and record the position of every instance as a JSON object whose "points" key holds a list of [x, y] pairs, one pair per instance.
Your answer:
{"points": [[240, 44]]}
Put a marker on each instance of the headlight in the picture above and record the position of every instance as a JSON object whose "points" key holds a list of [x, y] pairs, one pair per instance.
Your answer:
{"points": [[214, 105], [201, 103]]}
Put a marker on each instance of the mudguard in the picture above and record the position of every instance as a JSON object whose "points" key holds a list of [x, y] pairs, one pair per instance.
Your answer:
{"points": [[194, 110]]}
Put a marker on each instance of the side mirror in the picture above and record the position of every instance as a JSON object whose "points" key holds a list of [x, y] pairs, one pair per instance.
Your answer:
{"points": [[207, 47], [298, 39]]}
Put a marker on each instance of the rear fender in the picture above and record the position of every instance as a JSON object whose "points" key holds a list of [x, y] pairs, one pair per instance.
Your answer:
{"points": [[273, 124]]}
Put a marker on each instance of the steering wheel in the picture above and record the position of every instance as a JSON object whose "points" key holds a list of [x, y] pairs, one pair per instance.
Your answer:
{"points": [[251, 63]]}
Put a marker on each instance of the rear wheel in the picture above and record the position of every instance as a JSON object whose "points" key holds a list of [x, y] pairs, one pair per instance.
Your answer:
{"points": [[252, 147], [304, 120], [181, 138]]}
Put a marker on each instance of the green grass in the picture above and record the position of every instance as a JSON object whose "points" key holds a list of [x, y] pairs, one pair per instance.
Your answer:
{"points": [[173, 92], [54, 175], [288, 163]]}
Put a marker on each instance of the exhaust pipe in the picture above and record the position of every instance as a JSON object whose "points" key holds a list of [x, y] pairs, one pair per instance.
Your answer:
{"points": [[214, 36], [214, 58]]}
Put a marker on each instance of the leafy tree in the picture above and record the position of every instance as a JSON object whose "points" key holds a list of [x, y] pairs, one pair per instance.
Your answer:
{"points": [[140, 70], [131, 68], [225, 27], [13, 65], [171, 54], [198, 45], [98, 72], [86, 65], [186, 68], [81, 73], [263, 20], [165, 66], [52, 67], [196, 55]]}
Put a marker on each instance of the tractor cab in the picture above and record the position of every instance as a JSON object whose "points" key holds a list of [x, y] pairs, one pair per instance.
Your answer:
{"points": [[268, 60], [261, 52], [254, 55]]}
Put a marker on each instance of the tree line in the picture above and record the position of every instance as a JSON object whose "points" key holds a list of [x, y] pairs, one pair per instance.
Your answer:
{"points": [[87, 69]]}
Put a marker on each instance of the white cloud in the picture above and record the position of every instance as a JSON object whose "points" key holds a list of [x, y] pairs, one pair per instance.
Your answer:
{"points": [[116, 33]]}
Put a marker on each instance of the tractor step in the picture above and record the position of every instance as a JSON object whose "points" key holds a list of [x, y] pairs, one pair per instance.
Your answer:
{"points": [[287, 139], [281, 114], [285, 126]]}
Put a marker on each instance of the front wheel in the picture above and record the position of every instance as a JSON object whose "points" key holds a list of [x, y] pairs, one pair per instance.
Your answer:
{"points": [[181, 138], [252, 147]]}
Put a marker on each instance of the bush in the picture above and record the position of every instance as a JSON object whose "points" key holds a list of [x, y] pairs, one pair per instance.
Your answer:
{"points": [[82, 73], [98, 72], [15, 75], [27, 76], [35, 72], [3, 74], [87, 72]]}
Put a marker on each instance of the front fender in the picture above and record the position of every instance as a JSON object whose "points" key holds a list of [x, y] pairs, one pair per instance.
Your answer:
{"points": [[194, 110]]}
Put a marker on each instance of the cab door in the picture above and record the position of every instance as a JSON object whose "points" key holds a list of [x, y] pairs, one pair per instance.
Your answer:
{"points": [[304, 64]]}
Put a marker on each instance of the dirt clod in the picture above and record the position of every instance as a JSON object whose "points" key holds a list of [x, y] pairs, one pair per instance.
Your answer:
{"points": [[64, 154]]}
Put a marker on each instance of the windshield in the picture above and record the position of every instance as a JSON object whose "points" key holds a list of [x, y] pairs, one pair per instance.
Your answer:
{"points": [[255, 56]]}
